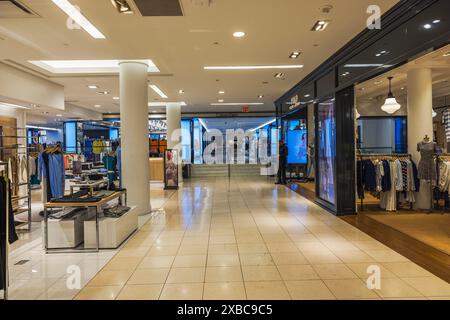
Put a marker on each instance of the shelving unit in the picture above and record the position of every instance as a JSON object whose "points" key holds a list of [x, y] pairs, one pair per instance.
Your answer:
{"points": [[21, 203]]}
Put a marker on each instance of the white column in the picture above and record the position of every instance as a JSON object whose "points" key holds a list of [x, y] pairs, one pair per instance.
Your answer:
{"points": [[173, 114], [420, 121], [134, 133]]}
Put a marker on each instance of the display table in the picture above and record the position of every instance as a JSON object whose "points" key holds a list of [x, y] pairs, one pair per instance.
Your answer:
{"points": [[113, 231], [89, 184], [66, 234], [156, 169]]}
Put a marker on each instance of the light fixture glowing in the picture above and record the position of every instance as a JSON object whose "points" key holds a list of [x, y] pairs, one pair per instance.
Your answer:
{"points": [[433, 114], [221, 100], [97, 106], [221, 92], [116, 98], [252, 67], [239, 34], [320, 25], [42, 128], [427, 26], [279, 75], [447, 54], [93, 86], [158, 91], [294, 55], [164, 104], [436, 21], [260, 96], [238, 104], [103, 92], [11, 105], [307, 95], [86, 66], [122, 6], [78, 17], [181, 91], [59, 115], [391, 105]]}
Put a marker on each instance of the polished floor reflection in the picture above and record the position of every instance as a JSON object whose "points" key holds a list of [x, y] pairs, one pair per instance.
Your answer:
{"points": [[245, 238]]}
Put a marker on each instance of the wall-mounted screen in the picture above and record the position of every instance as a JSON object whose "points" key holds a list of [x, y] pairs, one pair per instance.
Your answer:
{"points": [[297, 142]]}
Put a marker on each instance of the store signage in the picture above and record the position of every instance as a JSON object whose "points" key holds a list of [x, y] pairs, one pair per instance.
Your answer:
{"points": [[245, 109], [294, 102]]}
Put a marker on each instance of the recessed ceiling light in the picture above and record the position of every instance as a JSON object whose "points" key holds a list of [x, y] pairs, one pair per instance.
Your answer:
{"points": [[436, 21], [86, 66], [402, 88], [320, 25], [158, 91], [239, 34], [103, 92], [59, 115], [221, 100], [181, 91], [221, 92], [116, 98], [75, 14], [97, 106], [238, 104], [427, 26], [252, 67], [122, 6], [279, 75], [260, 96], [93, 86], [294, 55]]}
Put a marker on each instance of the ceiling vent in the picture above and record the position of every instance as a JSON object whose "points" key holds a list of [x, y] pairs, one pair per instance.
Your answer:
{"points": [[14, 9], [159, 8]]}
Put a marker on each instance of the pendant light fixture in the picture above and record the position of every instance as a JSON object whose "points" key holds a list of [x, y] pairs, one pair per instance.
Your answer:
{"points": [[391, 105]]}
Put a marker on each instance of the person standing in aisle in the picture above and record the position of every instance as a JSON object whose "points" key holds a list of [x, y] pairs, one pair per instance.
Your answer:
{"points": [[282, 163]]}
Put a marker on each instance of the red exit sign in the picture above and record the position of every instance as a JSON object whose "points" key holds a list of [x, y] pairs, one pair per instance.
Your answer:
{"points": [[245, 109]]}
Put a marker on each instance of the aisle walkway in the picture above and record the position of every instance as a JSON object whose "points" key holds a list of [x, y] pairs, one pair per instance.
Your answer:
{"points": [[249, 239]]}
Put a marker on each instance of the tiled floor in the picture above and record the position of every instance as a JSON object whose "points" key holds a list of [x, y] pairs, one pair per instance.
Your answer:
{"points": [[249, 239], [45, 276]]}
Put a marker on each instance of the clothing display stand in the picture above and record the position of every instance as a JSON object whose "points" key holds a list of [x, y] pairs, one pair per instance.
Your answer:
{"points": [[96, 205], [5, 274], [19, 150], [439, 158], [392, 156]]}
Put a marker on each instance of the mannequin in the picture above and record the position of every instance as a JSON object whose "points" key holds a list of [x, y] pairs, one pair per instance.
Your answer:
{"points": [[427, 171]]}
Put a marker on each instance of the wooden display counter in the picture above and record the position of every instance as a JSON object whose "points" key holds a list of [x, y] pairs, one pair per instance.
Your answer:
{"points": [[156, 169]]}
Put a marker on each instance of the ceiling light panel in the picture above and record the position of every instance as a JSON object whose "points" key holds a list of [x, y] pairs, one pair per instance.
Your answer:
{"points": [[86, 66], [158, 91], [320, 25], [79, 18], [298, 66], [122, 6], [238, 104], [164, 104]]}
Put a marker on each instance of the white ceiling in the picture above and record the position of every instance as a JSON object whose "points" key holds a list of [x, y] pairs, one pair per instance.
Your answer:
{"points": [[181, 46]]}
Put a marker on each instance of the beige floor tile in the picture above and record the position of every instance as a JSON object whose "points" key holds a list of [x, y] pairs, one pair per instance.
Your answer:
{"points": [[281, 247], [182, 291], [353, 256], [186, 275], [222, 249], [297, 272], [156, 262], [224, 291], [309, 290], [140, 292], [252, 248], [429, 286], [137, 252], [230, 239], [110, 278], [360, 269], [223, 274], [439, 298], [334, 271], [223, 260], [396, 288], [407, 269], [260, 273], [289, 258], [149, 276], [266, 290], [256, 259], [320, 256], [350, 289], [194, 249], [189, 261], [123, 264], [163, 251], [99, 293], [386, 256]]}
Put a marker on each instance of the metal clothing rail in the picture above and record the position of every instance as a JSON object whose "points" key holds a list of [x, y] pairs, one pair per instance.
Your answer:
{"points": [[5, 274], [383, 156]]}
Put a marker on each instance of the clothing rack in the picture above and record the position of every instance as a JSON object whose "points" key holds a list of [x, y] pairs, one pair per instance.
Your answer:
{"points": [[440, 157], [381, 156], [5, 274], [16, 150]]}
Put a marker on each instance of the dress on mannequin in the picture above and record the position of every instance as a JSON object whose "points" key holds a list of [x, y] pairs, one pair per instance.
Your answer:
{"points": [[427, 165]]}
